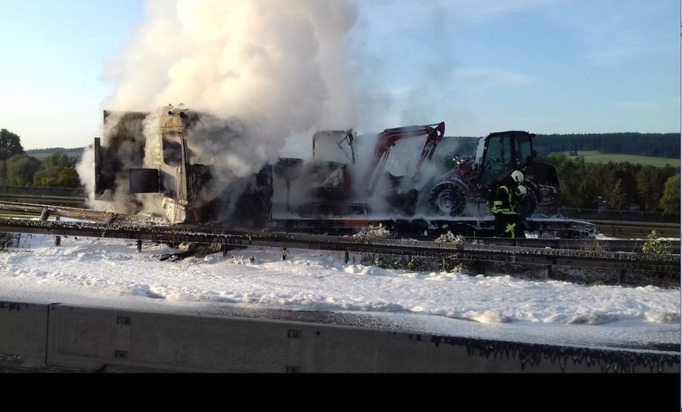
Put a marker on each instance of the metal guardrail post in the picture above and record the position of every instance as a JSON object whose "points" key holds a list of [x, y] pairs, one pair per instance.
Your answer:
{"points": [[57, 239]]}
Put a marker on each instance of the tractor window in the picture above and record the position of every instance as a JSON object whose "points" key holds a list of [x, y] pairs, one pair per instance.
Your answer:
{"points": [[498, 159], [523, 150]]}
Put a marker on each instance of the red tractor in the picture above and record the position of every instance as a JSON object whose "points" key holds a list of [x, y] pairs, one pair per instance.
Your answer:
{"points": [[496, 156]]}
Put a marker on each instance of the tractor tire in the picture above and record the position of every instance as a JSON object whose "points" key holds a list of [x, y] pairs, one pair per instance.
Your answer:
{"points": [[448, 199]]}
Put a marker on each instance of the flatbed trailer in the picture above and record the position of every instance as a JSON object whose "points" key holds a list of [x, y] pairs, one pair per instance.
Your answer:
{"points": [[421, 228]]}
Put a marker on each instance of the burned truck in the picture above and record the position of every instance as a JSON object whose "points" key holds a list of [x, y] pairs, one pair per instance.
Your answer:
{"points": [[156, 164], [145, 165]]}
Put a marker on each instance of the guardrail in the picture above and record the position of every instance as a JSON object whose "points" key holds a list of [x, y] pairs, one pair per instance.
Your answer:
{"points": [[624, 268], [44, 200], [54, 196], [37, 191], [621, 215]]}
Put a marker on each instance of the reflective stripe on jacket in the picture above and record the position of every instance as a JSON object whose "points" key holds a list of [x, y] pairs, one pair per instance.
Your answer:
{"points": [[502, 202]]}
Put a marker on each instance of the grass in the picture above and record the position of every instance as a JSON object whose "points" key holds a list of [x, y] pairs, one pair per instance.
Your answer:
{"points": [[595, 156]]}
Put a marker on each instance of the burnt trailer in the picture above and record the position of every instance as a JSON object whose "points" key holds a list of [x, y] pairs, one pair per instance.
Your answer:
{"points": [[144, 164], [439, 194]]}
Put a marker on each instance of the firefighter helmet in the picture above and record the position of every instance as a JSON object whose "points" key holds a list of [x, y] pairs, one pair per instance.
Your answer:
{"points": [[521, 190], [517, 176]]}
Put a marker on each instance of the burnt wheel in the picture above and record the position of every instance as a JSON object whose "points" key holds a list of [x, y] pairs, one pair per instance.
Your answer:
{"points": [[447, 199]]}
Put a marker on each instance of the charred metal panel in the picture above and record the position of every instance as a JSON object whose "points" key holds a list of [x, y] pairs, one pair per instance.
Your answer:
{"points": [[126, 136], [121, 147], [104, 178], [144, 180]]}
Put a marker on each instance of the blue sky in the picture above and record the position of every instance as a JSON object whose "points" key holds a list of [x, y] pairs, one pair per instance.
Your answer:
{"points": [[546, 66]]}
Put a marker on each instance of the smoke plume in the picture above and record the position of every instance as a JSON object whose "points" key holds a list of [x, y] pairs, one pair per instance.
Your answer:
{"points": [[265, 75], [277, 67]]}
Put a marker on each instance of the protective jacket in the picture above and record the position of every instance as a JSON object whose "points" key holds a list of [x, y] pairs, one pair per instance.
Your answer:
{"points": [[503, 201], [503, 206]]}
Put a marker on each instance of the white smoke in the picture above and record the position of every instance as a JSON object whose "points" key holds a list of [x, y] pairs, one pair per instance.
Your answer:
{"points": [[269, 73], [279, 67]]}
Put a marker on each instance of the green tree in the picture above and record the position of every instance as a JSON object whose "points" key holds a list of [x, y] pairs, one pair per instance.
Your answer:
{"points": [[655, 246], [57, 170], [3, 173], [10, 145], [670, 202], [619, 198], [571, 174], [626, 173], [647, 188], [593, 185], [20, 170], [587, 193]]}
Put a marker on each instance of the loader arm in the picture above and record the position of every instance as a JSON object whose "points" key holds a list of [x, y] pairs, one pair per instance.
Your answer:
{"points": [[388, 138]]}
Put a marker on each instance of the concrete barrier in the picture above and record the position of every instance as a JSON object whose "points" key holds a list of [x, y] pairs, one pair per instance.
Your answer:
{"points": [[110, 340], [23, 334]]}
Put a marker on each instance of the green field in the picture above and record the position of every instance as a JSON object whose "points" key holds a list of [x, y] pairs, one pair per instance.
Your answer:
{"points": [[595, 156]]}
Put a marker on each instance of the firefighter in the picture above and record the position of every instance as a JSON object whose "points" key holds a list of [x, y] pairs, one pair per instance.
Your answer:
{"points": [[508, 195]]}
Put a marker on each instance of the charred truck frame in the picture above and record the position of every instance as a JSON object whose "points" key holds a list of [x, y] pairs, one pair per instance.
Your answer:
{"points": [[149, 152]]}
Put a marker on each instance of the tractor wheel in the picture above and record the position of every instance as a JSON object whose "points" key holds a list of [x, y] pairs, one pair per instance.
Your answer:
{"points": [[447, 199]]}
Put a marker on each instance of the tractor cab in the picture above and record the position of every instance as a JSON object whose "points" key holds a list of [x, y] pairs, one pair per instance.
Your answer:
{"points": [[497, 155], [500, 153]]}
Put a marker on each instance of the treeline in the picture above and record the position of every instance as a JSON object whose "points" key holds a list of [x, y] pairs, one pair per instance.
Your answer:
{"points": [[665, 145], [47, 151], [19, 169], [619, 186], [40, 153]]}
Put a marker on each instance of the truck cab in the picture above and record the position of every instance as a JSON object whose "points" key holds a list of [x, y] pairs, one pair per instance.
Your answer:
{"points": [[145, 166]]}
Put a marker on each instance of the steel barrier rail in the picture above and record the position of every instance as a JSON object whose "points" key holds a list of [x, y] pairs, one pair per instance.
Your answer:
{"points": [[627, 245], [623, 262], [45, 199], [621, 216], [624, 245], [627, 223]]}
